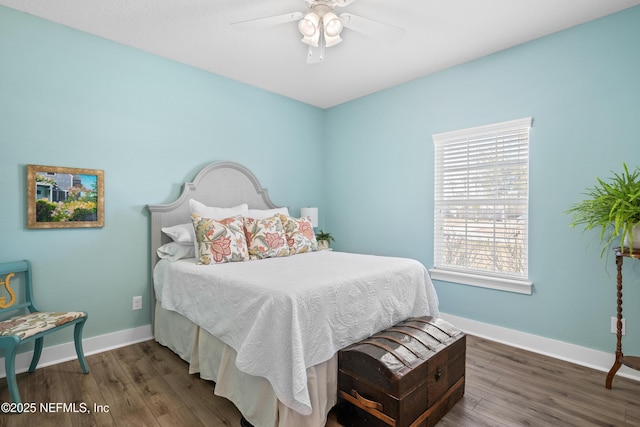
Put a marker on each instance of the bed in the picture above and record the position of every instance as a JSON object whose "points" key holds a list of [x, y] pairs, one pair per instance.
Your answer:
{"points": [[267, 330]]}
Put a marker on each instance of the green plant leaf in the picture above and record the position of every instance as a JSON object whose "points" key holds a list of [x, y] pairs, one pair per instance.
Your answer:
{"points": [[613, 205]]}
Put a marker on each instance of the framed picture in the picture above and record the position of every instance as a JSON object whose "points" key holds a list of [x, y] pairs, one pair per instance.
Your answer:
{"points": [[59, 197]]}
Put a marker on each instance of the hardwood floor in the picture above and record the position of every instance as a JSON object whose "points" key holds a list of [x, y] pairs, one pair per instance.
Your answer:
{"points": [[147, 385]]}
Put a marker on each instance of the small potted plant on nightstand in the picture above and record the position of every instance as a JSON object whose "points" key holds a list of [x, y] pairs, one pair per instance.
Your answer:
{"points": [[324, 239], [614, 207]]}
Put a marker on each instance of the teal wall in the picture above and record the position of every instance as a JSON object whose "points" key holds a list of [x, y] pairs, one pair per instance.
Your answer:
{"points": [[71, 99], [581, 87]]}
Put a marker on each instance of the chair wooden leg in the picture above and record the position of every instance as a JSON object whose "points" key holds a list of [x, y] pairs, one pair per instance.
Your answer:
{"points": [[10, 368], [77, 337], [37, 351]]}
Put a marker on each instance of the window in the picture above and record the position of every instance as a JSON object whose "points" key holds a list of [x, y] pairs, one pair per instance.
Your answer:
{"points": [[481, 205]]}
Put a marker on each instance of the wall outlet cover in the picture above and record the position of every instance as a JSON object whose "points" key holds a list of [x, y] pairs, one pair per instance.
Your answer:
{"points": [[614, 325]]}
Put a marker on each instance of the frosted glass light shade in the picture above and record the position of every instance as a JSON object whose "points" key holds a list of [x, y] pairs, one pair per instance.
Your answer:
{"points": [[313, 40], [312, 213], [309, 24], [332, 41], [332, 24]]}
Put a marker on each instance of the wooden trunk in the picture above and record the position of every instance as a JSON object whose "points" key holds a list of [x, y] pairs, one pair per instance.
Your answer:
{"points": [[409, 375]]}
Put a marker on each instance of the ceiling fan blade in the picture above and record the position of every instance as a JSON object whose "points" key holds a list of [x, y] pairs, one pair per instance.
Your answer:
{"points": [[369, 27], [268, 21]]}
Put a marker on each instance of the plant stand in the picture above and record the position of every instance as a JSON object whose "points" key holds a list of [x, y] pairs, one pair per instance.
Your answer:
{"points": [[630, 361]]}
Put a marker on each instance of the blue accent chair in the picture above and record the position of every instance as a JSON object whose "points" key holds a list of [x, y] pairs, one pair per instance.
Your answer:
{"points": [[21, 321]]}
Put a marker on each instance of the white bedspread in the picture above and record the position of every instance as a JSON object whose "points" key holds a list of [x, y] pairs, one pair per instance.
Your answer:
{"points": [[283, 315]]}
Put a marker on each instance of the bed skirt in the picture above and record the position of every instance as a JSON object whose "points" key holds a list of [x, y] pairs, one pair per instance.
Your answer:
{"points": [[253, 396]]}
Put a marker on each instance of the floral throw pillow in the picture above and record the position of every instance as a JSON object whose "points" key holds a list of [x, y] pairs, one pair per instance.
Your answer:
{"points": [[265, 237], [219, 241], [300, 235]]}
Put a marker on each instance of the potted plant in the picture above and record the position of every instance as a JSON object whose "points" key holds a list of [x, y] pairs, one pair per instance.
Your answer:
{"points": [[614, 207], [324, 239]]}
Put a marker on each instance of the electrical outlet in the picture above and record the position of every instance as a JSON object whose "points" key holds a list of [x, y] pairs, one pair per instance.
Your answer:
{"points": [[614, 325], [137, 303]]}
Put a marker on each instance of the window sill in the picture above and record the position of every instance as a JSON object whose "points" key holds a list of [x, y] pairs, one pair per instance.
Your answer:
{"points": [[508, 285]]}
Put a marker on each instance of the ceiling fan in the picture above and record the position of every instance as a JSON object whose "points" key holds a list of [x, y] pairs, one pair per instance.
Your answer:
{"points": [[321, 27]]}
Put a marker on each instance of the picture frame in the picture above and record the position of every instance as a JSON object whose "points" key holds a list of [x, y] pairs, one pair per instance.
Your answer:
{"points": [[61, 197]]}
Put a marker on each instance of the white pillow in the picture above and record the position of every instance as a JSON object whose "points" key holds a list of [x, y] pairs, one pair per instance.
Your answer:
{"points": [[203, 210], [267, 213], [174, 251], [181, 233]]}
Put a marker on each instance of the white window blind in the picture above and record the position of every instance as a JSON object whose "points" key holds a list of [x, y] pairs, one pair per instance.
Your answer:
{"points": [[481, 206]]}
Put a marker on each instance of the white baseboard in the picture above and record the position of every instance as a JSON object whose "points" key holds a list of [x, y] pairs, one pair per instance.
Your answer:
{"points": [[595, 359], [584, 356], [67, 351]]}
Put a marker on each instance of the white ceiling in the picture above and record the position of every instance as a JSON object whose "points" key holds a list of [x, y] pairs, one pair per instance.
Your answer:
{"points": [[439, 34]]}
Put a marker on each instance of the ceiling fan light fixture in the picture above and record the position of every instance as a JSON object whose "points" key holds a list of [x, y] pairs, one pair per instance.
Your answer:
{"points": [[322, 28], [313, 40], [332, 41], [332, 24], [308, 26]]}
